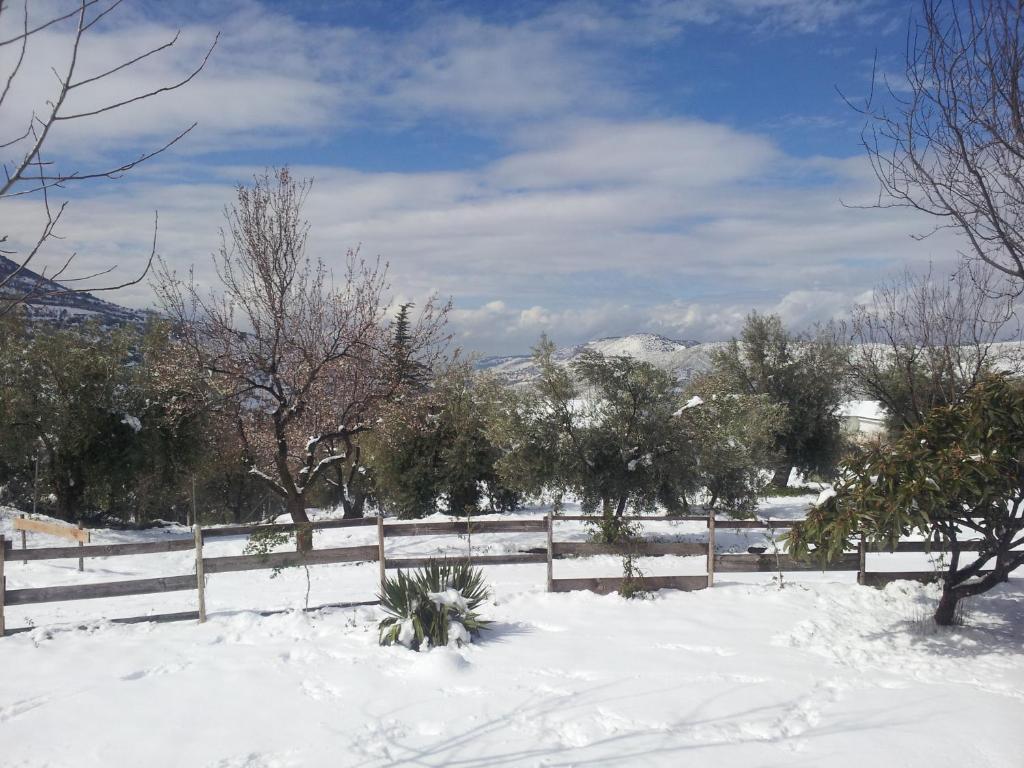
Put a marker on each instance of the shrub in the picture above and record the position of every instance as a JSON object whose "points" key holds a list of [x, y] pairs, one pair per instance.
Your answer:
{"points": [[960, 472], [434, 606]]}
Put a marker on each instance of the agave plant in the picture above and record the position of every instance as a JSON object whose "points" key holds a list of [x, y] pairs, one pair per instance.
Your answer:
{"points": [[435, 605]]}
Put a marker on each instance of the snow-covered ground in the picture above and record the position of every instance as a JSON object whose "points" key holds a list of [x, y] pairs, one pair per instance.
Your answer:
{"points": [[822, 672]]}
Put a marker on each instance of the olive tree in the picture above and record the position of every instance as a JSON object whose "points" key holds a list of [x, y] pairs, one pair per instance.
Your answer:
{"points": [[806, 374], [607, 430]]}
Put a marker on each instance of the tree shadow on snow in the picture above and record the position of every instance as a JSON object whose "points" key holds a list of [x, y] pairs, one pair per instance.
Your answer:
{"points": [[553, 721], [993, 623]]}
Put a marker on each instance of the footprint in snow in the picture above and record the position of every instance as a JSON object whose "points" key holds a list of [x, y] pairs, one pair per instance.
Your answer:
{"points": [[163, 669], [255, 760], [19, 708], [319, 691]]}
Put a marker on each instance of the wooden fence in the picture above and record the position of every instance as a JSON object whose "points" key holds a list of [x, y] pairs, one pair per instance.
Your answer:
{"points": [[554, 550]]}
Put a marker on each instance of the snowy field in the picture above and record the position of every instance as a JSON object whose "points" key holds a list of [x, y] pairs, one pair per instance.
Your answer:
{"points": [[821, 672]]}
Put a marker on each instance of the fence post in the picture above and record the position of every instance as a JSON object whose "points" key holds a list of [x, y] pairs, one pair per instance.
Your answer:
{"points": [[380, 553], [711, 547], [24, 544], [549, 519], [200, 578], [3, 583], [81, 561], [862, 559]]}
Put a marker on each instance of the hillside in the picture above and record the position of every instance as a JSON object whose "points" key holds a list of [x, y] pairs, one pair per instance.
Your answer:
{"points": [[685, 358], [64, 308]]}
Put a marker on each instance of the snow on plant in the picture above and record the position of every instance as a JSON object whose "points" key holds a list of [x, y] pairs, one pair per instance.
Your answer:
{"points": [[433, 607]]}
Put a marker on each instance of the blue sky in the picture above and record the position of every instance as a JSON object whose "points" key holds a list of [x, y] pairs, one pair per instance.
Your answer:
{"points": [[575, 168]]}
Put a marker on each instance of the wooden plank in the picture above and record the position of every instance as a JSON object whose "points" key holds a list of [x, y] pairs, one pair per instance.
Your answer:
{"points": [[640, 548], [638, 518], [107, 550], [925, 546], [81, 560], [234, 563], [776, 524], [767, 563], [63, 530], [320, 525], [103, 589], [197, 534], [510, 559], [549, 551], [193, 615], [3, 584], [605, 586], [712, 552], [381, 558], [461, 527]]}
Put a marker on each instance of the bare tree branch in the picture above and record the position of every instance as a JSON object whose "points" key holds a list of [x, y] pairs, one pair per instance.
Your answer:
{"points": [[28, 175]]}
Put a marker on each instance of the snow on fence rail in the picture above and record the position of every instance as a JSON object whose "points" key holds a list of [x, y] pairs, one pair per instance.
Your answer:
{"points": [[716, 562]]}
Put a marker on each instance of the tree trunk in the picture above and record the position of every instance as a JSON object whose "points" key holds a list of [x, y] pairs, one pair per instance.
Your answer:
{"points": [[781, 477], [945, 613], [69, 489], [296, 508], [353, 509], [621, 507]]}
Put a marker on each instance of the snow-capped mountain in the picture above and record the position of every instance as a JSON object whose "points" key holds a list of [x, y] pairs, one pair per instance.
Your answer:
{"points": [[685, 358], [63, 308]]}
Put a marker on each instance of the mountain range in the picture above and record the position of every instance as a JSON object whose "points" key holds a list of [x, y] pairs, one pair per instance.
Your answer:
{"points": [[684, 358], [51, 302]]}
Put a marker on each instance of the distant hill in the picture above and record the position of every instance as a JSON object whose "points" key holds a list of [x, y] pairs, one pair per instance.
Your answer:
{"points": [[685, 358], [66, 308]]}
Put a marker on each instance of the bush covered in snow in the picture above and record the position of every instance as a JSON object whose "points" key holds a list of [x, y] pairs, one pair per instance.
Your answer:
{"points": [[434, 606]]}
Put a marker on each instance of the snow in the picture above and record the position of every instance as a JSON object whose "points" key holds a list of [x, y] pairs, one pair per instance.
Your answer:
{"points": [[451, 598], [822, 672], [824, 496], [131, 422], [870, 410], [693, 402]]}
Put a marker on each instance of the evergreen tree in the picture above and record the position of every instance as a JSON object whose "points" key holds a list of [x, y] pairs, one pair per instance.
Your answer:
{"points": [[804, 374]]}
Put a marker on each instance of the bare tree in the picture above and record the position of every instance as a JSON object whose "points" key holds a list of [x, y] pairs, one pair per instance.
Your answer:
{"points": [[305, 362], [925, 340], [950, 140], [29, 172]]}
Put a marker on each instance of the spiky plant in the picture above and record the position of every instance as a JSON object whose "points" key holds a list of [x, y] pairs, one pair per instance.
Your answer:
{"points": [[433, 605]]}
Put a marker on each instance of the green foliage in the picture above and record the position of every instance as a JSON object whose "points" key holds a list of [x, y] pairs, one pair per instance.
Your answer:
{"points": [[735, 434], [632, 579], [409, 370], [433, 606], [264, 542], [961, 469], [113, 414], [611, 529], [805, 374], [436, 452], [606, 431]]}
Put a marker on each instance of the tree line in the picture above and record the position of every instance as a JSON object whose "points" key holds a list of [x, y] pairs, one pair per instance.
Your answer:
{"points": [[283, 388]]}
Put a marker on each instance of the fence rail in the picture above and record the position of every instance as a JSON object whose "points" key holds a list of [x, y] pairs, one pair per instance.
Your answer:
{"points": [[368, 553]]}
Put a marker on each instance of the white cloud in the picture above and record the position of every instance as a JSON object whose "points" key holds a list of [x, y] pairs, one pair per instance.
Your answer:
{"points": [[614, 246], [592, 222]]}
